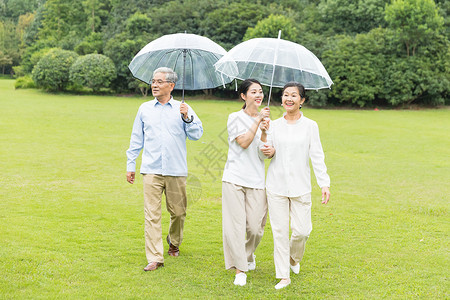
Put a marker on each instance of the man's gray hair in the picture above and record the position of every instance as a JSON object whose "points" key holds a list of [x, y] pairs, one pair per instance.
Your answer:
{"points": [[170, 74]]}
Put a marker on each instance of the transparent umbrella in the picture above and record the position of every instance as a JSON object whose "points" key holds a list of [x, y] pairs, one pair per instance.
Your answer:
{"points": [[191, 56], [274, 62]]}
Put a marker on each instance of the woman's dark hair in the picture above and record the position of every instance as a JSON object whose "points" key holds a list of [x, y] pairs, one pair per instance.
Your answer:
{"points": [[299, 86], [245, 85]]}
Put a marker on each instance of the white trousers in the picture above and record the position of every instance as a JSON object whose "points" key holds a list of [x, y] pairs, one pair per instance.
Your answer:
{"points": [[299, 209], [244, 215]]}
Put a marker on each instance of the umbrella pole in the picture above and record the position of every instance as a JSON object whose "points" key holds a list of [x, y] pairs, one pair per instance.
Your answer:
{"points": [[273, 71], [189, 120], [184, 73]]}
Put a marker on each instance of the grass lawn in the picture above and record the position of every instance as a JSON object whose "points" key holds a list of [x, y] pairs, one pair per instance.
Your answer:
{"points": [[72, 227]]}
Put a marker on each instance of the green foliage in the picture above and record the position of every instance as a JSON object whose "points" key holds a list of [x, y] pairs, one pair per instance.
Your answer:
{"points": [[18, 71], [417, 22], [5, 61], [24, 82], [96, 12], [13, 9], [356, 66], [138, 24], [53, 69], [270, 26], [349, 16], [227, 25], [94, 71], [93, 43], [368, 70], [32, 56], [416, 80], [121, 50], [60, 18], [120, 28], [9, 45]]}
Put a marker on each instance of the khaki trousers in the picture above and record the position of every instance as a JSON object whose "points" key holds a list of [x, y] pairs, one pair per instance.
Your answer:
{"points": [[174, 188], [299, 209], [244, 215]]}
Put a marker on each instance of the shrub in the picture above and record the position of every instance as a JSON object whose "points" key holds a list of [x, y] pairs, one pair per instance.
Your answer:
{"points": [[94, 71], [52, 70], [24, 82]]}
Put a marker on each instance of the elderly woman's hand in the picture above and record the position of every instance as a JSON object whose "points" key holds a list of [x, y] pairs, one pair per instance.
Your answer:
{"points": [[325, 194], [268, 151]]}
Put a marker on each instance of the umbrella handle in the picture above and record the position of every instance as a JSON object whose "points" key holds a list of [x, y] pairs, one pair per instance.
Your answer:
{"points": [[189, 120]]}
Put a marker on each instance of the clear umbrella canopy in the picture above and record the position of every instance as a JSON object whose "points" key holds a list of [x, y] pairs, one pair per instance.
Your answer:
{"points": [[274, 62], [191, 56]]}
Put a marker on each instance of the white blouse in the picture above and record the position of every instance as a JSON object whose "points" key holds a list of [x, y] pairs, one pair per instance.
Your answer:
{"points": [[296, 143], [244, 167]]}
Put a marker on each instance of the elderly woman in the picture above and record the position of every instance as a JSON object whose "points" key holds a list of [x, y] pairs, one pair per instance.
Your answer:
{"points": [[244, 205], [295, 140]]}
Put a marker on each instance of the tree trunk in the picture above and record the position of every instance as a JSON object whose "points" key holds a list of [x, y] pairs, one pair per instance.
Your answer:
{"points": [[93, 20]]}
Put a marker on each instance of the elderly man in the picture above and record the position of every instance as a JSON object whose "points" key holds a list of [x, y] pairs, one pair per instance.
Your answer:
{"points": [[161, 132]]}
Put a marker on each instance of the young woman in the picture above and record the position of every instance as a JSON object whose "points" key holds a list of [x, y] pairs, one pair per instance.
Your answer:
{"points": [[244, 205], [295, 140]]}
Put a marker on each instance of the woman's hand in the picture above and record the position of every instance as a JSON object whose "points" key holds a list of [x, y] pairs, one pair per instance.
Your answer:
{"points": [[325, 194], [264, 125], [265, 112], [268, 151]]}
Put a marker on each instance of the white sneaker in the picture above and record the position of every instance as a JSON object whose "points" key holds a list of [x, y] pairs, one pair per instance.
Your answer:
{"points": [[296, 268], [252, 264], [240, 279], [283, 283]]}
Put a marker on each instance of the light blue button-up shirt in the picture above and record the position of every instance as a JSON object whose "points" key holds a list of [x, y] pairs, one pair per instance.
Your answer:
{"points": [[160, 131]]}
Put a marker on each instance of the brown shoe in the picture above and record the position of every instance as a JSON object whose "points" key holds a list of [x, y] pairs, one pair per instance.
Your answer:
{"points": [[173, 250], [153, 266]]}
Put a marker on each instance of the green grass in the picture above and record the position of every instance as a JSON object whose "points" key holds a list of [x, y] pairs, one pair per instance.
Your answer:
{"points": [[71, 227]]}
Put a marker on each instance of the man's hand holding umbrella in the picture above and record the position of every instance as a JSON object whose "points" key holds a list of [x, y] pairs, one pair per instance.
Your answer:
{"points": [[184, 111]]}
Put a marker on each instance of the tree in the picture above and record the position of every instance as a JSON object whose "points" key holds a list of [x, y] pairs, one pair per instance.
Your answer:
{"points": [[94, 71], [96, 11], [356, 66], [227, 25], [62, 20], [122, 50], [5, 61], [12, 9], [53, 69], [352, 17], [270, 26], [92, 43], [415, 21]]}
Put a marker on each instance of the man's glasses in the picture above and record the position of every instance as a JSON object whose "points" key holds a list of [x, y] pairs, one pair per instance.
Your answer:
{"points": [[159, 82]]}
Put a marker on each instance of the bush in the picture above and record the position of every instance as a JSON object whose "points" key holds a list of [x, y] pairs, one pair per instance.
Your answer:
{"points": [[52, 70], [94, 71], [24, 82], [18, 71]]}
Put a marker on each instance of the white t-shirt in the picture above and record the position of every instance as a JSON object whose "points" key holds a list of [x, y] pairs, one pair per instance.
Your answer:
{"points": [[289, 171], [244, 167]]}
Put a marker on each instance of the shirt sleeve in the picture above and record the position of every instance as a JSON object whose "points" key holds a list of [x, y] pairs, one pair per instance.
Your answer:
{"points": [[136, 142], [194, 130], [318, 158], [235, 127]]}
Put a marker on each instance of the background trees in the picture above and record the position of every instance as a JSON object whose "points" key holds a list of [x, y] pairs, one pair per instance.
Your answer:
{"points": [[378, 52]]}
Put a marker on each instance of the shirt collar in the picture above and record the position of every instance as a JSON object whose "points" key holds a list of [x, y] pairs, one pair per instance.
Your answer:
{"points": [[170, 101]]}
